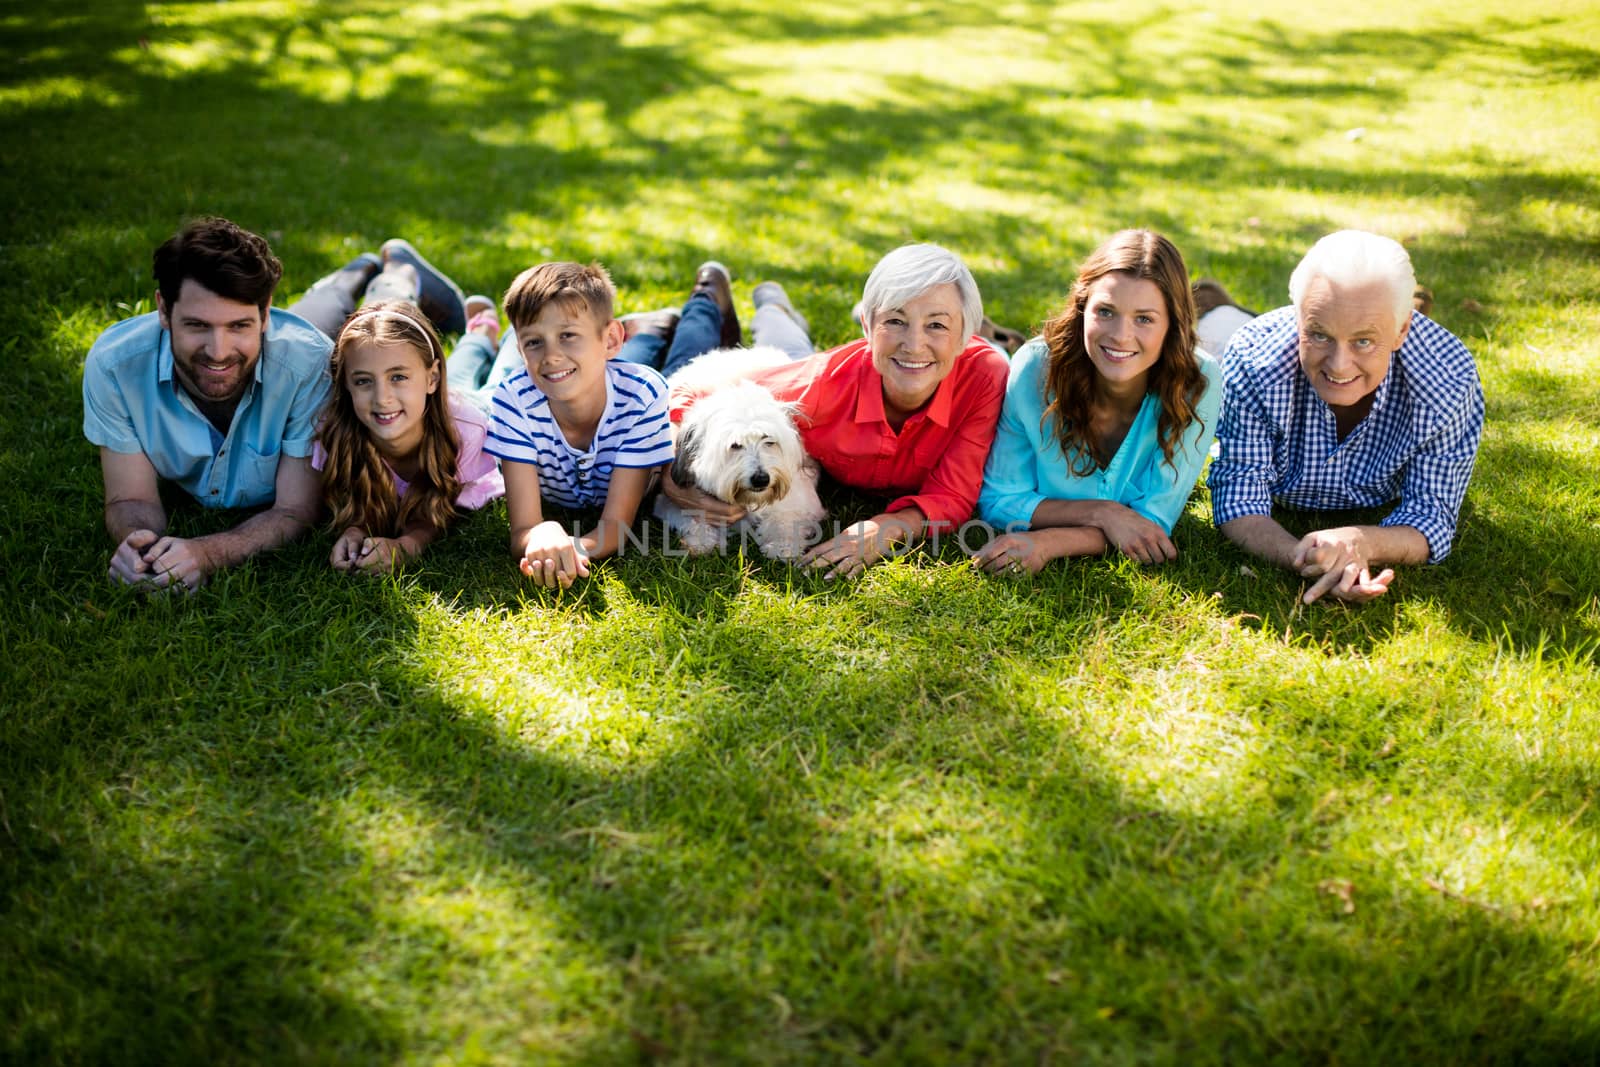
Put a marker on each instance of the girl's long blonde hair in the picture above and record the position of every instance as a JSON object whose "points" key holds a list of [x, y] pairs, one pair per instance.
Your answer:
{"points": [[357, 484], [1071, 381]]}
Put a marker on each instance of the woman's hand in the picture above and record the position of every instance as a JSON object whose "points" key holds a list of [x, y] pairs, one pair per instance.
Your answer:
{"points": [[858, 546], [552, 557], [1014, 553], [1134, 535], [712, 511]]}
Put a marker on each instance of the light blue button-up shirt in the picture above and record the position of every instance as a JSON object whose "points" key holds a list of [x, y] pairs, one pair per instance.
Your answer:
{"points": [[133, 403], [1027, 467]]}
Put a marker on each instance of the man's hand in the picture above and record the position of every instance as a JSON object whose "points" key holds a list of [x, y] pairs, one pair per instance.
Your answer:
{"points": [[128, 564], [712, 511], [179, 560], [1339, 561], [1136, 536], [552, 558]]}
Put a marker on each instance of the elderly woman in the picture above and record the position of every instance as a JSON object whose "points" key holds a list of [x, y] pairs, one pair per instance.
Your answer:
{"points": [[910, 410]]}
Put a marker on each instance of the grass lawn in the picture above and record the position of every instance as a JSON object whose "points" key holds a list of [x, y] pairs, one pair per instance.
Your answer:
{"points": [[717, 811]]}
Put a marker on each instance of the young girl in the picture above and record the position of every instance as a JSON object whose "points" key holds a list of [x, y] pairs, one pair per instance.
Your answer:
{"points": [[1107, 417], [399, 460]]}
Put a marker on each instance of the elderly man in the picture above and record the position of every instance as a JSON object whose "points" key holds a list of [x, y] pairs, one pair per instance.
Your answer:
{"points": [[1347, 399]]}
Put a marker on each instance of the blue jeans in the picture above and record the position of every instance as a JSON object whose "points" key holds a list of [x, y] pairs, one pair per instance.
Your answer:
{"points": [[467, 369], [699, 331]]}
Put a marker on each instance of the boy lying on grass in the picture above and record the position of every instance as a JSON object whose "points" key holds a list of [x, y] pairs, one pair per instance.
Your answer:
{"points": [[572, 426]]}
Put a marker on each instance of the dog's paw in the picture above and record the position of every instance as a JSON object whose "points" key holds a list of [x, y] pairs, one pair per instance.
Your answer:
{"points": [[703, 540]]}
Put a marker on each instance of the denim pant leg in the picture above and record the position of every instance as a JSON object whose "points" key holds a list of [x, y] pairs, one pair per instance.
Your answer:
{"points": [[325, 308], [645, 348], [469, 363], [506, 362], [699, 331], [773, 326]]}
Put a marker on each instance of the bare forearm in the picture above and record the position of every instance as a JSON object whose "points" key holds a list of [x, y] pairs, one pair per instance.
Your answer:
{"points": [[259, 533], [604, 540], [1059, 542], [417, 538], [903, 527], [125, 516], [1260, 535], [1051, 513], [1394, 544]]}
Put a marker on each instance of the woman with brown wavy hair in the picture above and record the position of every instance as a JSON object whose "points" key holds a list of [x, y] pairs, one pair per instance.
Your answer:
{"points": [[1108, 417], [398, 459]]}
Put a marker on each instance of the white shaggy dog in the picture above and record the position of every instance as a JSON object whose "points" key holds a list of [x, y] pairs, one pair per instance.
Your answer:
{"points": [[740, 445]]}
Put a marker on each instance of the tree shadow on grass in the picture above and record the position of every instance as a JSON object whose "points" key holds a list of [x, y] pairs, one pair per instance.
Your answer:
{"points": [[813, 805]]}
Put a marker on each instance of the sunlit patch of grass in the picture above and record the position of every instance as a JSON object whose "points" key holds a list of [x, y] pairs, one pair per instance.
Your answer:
{"points": [[721, 810]]}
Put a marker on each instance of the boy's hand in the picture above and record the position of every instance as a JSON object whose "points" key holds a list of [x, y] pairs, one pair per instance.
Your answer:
{"points": [[552, 557]]}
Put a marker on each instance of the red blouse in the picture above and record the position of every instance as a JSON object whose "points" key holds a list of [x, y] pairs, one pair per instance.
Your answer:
{"points": [[936, 459]]}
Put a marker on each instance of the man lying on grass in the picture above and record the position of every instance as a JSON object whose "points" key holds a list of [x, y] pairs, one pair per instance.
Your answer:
{"points": [[1347, 399], [214, 390]]}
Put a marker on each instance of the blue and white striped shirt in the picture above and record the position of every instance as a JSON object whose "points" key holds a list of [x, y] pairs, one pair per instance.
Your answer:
{"points": [[633, 432], [1279, 443]]}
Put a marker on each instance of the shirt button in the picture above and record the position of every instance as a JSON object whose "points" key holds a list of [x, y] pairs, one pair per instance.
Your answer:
{"points": [[214, 492]]}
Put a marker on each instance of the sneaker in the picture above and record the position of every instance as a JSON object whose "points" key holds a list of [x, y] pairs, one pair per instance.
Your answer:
{"points": [[439, 298], [714, 280], [353, 276], [772, 293]]}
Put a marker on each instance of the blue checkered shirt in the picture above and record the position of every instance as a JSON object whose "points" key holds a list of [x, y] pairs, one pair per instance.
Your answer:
{"points": [[1279, 443]]}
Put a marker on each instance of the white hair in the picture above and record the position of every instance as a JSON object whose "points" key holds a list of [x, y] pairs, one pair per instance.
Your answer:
{"points": [[1353, 259], [911, 270]]}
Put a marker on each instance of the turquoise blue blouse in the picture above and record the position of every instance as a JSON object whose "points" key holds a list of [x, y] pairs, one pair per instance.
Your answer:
{"points": [[1026, 466]]}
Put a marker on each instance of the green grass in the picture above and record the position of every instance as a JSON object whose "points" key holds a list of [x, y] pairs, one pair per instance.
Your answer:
{"points": [[715, 811]]}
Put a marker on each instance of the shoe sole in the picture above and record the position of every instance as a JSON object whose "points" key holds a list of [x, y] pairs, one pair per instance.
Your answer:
{"points": [[440, 298]]}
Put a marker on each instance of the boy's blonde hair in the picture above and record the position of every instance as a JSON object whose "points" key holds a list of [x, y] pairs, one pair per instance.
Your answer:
{"points": [[568, 284]]}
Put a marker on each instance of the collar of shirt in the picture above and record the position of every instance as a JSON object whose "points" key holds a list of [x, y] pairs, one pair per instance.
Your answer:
{"points": [[869, 397]]}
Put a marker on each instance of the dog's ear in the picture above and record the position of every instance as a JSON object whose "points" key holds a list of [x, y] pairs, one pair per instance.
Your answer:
{"points": [[685, 449]]}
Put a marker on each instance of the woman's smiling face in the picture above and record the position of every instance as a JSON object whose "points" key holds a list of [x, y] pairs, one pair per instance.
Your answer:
{"points": [[914, 346], [1124, 327]]}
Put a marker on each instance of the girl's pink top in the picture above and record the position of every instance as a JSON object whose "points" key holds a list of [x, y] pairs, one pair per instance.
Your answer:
{"points": [[479, 474]]}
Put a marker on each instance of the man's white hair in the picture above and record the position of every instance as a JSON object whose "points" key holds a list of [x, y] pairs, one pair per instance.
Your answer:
{"points": [[1355, 258], [911, 270]]}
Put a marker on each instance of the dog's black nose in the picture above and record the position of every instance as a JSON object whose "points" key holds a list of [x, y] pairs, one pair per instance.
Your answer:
{"points": [[760, 480]]}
